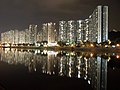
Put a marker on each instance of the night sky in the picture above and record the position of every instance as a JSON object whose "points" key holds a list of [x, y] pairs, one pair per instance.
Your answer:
{"points": [[18, 14]]}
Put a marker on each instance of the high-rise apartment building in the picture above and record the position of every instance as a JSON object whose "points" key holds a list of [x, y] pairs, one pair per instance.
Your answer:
{"points": [[67, 31], [49, 32], [33, 34], [105, 23], [21, 37], [80, 30], [62, 31], [45, 32], [98, 25], [3, 38], [27, 36], [71, 32], [8, 37], [93, 29], [16, 36], [39, 36], [11, 37], [86, 30]]}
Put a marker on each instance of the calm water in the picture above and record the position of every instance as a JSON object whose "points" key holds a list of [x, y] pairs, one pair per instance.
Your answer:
{"points": [[52, 70]]}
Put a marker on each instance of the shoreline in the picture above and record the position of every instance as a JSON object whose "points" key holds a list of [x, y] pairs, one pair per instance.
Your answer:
{"points": [[76, 49]]}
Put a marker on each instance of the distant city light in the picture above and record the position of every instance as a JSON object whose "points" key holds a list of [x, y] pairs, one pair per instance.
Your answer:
{"points": [[109, 42], [117, 45], [88, 81], [91, 54], [109, 59], [45, 45], [52, 44], [45, 51], [52, 53], [91, 45], [117, 56]]}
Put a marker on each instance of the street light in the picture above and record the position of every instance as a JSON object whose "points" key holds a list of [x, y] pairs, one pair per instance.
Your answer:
{"points": [[91, 45], [117, 56], [117, 45]]}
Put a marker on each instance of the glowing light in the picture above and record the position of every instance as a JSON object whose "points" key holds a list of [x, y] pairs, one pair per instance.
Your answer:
{"points": [[106, 45], [79, 74], [109, 41], [37, 51], [7, 45], [53, 72], [72, 45], [85, 78], [72, 53], [91, 45], [117, 45], [45, 45], [91, 54], [53, 44], [88, 81], [52, 53], [67, 54], [117, 56], [85, 58], [45, 51], [70, 72], [113, 46], [35, 69], [109, 59], [7, 49]]}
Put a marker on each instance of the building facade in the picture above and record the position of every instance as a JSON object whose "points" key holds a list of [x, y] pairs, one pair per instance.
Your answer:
{"points": [[21, 37], [16, 36], [45, 32], [62, 31], [33, 34], [80, 30], [67, 32], [27, 36], [71, 32], [39, 37], [49, 32], [93, 29], [98, 25]]}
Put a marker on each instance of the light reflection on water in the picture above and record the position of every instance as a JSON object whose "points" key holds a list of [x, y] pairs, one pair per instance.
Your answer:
{"points": [[85, 65]]}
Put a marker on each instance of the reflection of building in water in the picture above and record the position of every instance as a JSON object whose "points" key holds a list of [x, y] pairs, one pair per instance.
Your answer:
{"points": [[66, 66], [51, 63], [8, 56], [70, 64], [18, 57], [97, 73]]}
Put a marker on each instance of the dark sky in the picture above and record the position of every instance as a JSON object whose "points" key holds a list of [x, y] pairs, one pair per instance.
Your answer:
{"points": [[18, 14]]}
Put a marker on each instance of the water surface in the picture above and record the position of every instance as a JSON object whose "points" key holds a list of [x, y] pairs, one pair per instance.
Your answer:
{"points": [[35, 69]]}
